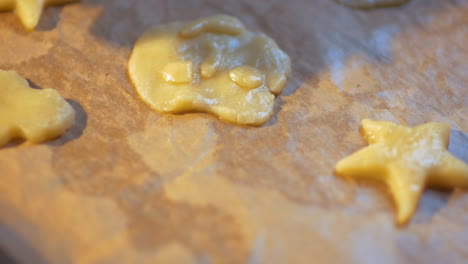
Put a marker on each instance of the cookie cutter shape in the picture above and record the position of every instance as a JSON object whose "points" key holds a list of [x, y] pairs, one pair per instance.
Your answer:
{"points": [[29, 11], [32, 114], [407, 160]]}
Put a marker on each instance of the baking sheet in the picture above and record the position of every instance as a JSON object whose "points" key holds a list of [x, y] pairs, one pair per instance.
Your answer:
{"points": [[129, 185]]}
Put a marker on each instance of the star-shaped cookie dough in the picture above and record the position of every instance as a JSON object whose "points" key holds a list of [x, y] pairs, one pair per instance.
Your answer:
{"points": [[29, 11], [407, 160], [35, 115]]}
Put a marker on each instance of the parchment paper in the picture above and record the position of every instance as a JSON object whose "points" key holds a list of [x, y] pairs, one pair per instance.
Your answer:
{"points": [[129, 185]]}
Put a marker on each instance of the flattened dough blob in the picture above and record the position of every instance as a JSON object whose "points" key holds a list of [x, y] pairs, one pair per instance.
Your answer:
{"points": [[407, 160], [35, 115], [372, 3], [29, 11], [210, 65]]}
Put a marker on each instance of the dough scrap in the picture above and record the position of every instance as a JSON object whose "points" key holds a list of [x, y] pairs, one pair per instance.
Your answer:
{"points": [[407, 160], [371, 3], [210, 65], [29, 11], [35, 115]]}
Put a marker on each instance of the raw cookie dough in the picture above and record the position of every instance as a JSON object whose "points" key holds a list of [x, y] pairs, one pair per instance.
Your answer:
{"points": [[406, 159], [210, 65], [29, 11], [35, 115], [372, 3]]}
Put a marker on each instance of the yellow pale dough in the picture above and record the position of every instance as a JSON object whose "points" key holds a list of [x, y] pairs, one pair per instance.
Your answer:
{"points": [[372, 3], [407, 160], [35, 115], [210, 65], [29, 11]]}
